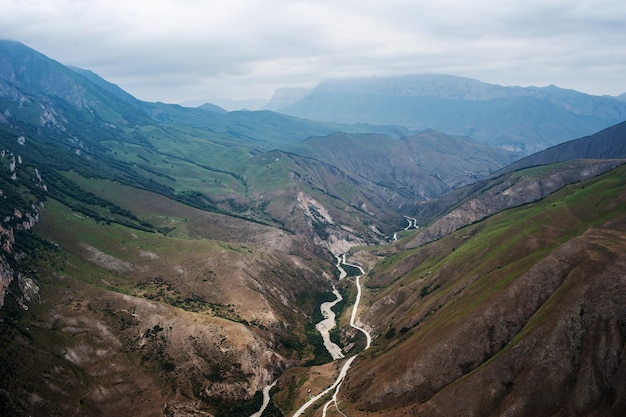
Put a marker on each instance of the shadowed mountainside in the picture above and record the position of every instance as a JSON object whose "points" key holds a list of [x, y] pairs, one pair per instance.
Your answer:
{"points": [[607, 144], [419, 167]]}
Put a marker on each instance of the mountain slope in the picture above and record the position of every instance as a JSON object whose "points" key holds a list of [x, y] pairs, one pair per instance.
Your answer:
{"points": [[414, 168], [522, 182], [175, 257], [607, 144], [124, 292], [163, 260], [515, 118], [494, 195], [521, 313], [200, 157], [184, 320]]}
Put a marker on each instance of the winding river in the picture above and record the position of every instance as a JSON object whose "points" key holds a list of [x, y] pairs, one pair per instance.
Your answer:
{"points": [[346, 366], [266, 400], [412, 223], [324, 327]]}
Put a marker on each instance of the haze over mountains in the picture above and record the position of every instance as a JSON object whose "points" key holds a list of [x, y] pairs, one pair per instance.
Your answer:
{"points": [[523, 119], [163, 260]]}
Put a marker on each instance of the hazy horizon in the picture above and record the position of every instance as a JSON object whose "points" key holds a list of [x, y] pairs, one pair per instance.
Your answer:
{"points": [[240, 49]]}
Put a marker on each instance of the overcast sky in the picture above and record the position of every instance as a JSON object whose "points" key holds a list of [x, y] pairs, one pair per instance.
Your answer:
{"points": [[177, 50]]}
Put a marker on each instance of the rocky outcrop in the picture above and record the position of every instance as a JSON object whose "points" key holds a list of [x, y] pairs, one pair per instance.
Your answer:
{"points": [[6, 277], [19, 218]]}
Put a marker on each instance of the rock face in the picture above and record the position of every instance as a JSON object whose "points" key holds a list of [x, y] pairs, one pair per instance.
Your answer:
{"points": [[18, 216], [6, 277]]}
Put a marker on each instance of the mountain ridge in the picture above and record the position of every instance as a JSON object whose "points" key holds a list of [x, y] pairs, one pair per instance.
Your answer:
{"points": [[526, 119], [478, 311], [527, 180], [416, 167]]}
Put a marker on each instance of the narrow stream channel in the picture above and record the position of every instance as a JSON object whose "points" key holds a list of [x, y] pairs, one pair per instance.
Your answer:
{"points": [[266, 400]]}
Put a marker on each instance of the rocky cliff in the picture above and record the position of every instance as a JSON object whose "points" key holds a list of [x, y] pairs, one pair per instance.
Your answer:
{"points": [[17, 214]]}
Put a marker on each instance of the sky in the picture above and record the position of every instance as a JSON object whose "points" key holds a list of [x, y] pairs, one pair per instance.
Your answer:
{"points": [[179, 50]]}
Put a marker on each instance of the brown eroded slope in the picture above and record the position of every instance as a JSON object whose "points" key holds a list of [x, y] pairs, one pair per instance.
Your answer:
{"points": [[521, 314], [136, 323]]}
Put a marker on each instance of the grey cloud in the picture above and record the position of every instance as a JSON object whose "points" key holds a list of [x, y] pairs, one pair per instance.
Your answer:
{"points": [[178, 50]]}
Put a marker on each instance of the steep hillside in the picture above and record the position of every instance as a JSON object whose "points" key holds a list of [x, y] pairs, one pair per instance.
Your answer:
{"points": [[413, 168], [519, 314], [176, 261], [609, 143], [521, 182], [74, 120], [515, 118], [502, 192], [127, 321]]}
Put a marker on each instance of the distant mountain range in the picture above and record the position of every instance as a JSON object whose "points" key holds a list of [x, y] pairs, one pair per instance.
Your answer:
{"points": [[523, 119]]}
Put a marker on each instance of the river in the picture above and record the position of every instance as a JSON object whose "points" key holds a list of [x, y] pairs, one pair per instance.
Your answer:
{"points": [[266, 400], [412, 223], [344, 370], [324, 327]]}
